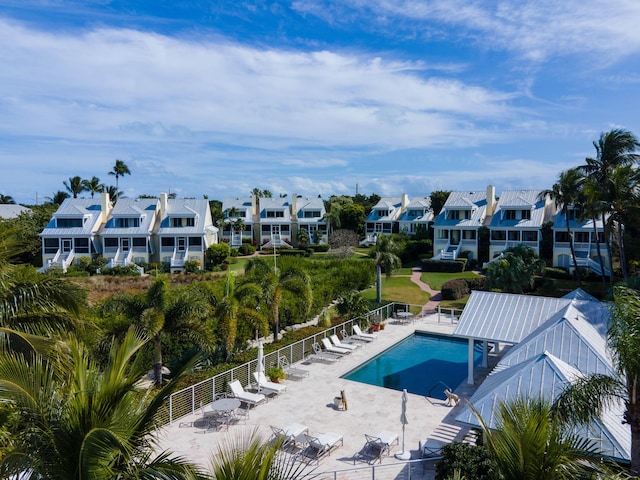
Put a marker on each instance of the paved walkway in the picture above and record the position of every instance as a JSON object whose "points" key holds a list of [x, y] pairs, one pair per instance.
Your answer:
{"points": [[436, 296]]}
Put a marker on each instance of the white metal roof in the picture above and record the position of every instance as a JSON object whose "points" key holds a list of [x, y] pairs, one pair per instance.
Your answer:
{"points": [[476, 202], [144, 209], [520, 200], [84, 208]]}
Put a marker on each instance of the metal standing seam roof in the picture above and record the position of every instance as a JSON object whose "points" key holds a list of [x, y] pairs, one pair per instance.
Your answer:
{"points": [[419, 203], [275, 204], [392, 204], [75, 208], [560, 223], [546, 376], [145, 209], [505, 317], [310, 204], [520, 199], [476, 201], [185, 207], [243, 205], [10, 210]]}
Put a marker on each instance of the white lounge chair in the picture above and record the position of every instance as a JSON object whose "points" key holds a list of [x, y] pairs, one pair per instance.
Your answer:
{"points": [[250, 399], [268, 387], [382, 441], [360, 334], [322, 356], [292, 435], [336, 342], [319, 446], [293, 372], [352, 339], [333, 349]]}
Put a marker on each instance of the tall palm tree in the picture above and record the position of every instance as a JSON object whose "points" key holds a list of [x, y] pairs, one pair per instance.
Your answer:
{"points": [[76, 421], [384, 257], [58, 197], [75, 185], [566, 194], [273, 283], [120, 169], [592, 207], [529, 443], [587, 398], [94, 186], [615, 148], [332, 217], [113, 192], [7, 199]]}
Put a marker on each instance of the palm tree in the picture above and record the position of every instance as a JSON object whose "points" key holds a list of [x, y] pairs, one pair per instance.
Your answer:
{"points": [[332, 217], [7, 199], [273, 283], [76, 421], [528, 442], [385, 258], [566, 193], [120, 169], [58, 197], [515, 270], [615, 148], [592, 207], [587, 398], [94, 186], [75, 186], [113, 192]]}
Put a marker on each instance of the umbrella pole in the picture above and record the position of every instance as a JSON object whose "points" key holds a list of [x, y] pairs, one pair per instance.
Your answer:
{"points": [[403, 455]]}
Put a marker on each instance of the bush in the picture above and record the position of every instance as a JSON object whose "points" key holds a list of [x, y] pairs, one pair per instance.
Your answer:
{"points": [[445, 266], [296, 252], [558, 273], [473, 463], [246, 249], [322, 247], [216, 254], [191, 266], [477, 283], [454, 289], [118, 271]]}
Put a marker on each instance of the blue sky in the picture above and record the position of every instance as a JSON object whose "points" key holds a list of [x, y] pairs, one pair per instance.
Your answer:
{"points": [[310, 97]]}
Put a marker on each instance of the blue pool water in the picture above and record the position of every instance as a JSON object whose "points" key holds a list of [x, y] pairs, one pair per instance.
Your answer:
{"points": [[417, 363]]}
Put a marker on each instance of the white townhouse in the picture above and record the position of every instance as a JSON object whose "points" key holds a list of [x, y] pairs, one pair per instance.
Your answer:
{"points": [[185, 230], [275, 222], [127, 236], [588, 237], [309, 214], [417, 215], [383, 216], [518, 219], [73, 230], [238, 221], [456, 226]]}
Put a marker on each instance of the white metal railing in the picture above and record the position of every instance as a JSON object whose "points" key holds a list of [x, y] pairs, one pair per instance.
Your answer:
{"points": [[68, 259], [187, 401], [453, 314], [405, 470]]}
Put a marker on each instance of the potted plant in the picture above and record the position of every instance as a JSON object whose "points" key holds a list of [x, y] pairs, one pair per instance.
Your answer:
{"points": [[276, 374]]}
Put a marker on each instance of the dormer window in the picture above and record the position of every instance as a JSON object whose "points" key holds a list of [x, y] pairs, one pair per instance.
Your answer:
{"points": [[510, 214], [127, 222], [177, 222], [275, 214], [458, 215], [69, 222], [383, 213], [526, 214], [311, 214]]}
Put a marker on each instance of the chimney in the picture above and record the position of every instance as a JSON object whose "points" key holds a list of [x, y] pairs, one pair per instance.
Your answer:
{"points": [[404, 202], [294, 207], [491, 200], [163, 204], [105, 206], [254, 206]]}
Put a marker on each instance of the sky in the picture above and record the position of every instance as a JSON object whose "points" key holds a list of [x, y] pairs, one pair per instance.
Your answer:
{"points": [[326, 97]]}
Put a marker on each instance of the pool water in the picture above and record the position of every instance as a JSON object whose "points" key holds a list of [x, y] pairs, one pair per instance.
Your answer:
{"points": [[418, 363]]}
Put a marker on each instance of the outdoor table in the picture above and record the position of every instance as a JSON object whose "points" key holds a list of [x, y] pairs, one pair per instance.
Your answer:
{"points": [[404, 316], [225, 405]]}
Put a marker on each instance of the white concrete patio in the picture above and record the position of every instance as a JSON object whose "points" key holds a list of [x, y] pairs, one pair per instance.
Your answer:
{"points": [[370, 409]]}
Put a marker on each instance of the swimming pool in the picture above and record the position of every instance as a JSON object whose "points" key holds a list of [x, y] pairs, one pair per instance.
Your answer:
{"points": [[418, 363]]}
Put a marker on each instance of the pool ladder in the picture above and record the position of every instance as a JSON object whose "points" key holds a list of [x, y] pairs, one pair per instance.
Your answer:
{"points": [[428, 396]]}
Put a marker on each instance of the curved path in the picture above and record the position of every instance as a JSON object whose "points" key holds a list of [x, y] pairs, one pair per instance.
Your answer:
{"points": [[436, 295]]}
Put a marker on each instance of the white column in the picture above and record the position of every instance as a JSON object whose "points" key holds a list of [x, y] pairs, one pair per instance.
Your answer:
{"points": [[485, 354], [470, 362]]}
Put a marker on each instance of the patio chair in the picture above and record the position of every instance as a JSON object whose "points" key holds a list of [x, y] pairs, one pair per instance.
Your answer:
{"points": [[248, 398], [322, 356], [431, 449], [336, 342], [376, 446], [291, 435], [293, 372], [352, 339], [366, 336], [333, 349], [319, 446], [268, 387]]}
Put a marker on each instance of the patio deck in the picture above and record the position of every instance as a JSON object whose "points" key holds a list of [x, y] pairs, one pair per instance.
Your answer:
{"points": [[371, 409]]}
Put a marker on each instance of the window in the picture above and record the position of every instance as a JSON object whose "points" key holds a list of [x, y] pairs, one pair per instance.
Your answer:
{"points": [[526, 214], [51, 245], [509, 214], [69, 222], [176, 222], [127, 222], [514, 235], [312, 214], [111, 243], [275, 214], [190, 222], [265, 229], [82, 245], [284, 228], [468, 234], [443, 234], [382, 213], [529, 236], [581, 237], [167, 241], [139, 242], [458, 215], [498, 235], [562, 237], [195, 241]]}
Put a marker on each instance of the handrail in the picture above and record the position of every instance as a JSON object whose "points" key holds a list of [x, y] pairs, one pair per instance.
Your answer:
{"points": [[440, 382]]}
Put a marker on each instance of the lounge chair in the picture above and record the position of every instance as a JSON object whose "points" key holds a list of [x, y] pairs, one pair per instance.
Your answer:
{"points": [[319, 446], [268, 387], [365, 336], [431, 449], [320, 356], [293, 372], [336, 342], [333, 349], [376, 446], [352, 339], [291, 435], [250, 399]]}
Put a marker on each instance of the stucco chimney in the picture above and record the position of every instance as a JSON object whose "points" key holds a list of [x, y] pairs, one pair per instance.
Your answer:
{"points": [[294, 207], [404, 203], [105, 206], [164, 198], [254, 206], [491, 200]]}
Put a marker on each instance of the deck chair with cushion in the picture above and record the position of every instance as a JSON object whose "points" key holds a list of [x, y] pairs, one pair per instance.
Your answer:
{"points": [[321, 356], [319, 446], [291, 435], [267, 387], [376, 446], [328, 347], [293, 372], [352, 339], [336, 342], [248, 398], [431, 449], [365, 336]]}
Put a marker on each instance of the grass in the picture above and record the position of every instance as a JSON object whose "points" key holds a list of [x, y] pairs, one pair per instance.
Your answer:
{"points": [[436, 279], [398, 289]]}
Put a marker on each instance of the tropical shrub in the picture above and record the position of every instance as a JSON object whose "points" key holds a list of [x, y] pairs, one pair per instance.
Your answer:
{"points": [[216, 254], [446, 266], [454, 289], [473, 463]]}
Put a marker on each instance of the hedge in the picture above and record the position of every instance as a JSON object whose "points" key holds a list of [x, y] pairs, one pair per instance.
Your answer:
{"points": [[322, 247], [454, 289], [446, 266], [558, 273]]}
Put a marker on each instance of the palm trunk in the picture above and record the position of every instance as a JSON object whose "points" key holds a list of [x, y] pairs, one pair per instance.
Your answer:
{"points": [[275, 313], [595, 232], [157, 359], [607, 240], [632, 417], [623, 257], [379, 284], [573, 250]]}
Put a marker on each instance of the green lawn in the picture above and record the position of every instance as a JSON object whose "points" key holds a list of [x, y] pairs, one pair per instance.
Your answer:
{"points": [[436, 279], [398, 289]]}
